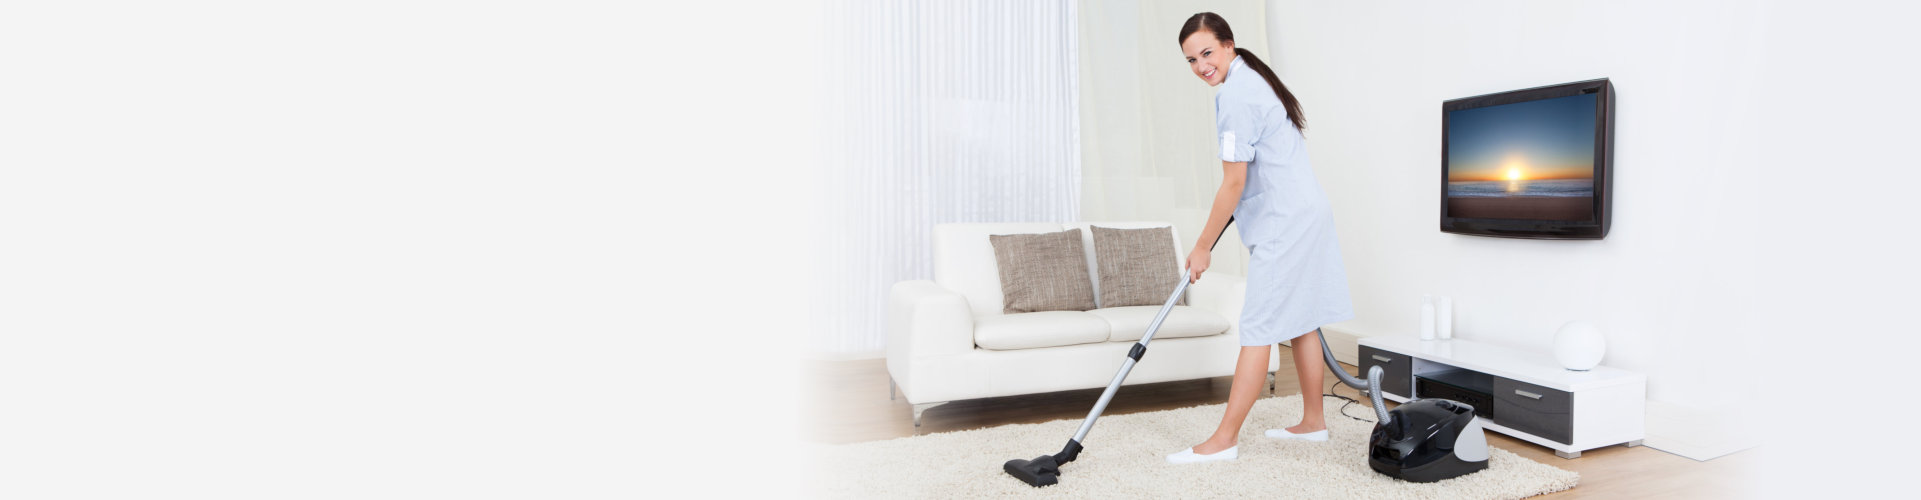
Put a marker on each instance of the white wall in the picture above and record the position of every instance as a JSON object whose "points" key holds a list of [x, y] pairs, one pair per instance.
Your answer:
{"points": [[1147, 123]]}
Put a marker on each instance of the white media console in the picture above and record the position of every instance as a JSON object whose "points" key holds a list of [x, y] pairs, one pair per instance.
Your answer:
{"points": [[1522, 394]]}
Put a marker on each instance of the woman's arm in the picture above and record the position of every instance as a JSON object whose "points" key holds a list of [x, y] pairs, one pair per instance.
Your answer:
{"points": [[1233, 180]]}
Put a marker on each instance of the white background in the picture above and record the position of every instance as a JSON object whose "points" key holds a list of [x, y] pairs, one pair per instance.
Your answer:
{"points": [[400, 248]]}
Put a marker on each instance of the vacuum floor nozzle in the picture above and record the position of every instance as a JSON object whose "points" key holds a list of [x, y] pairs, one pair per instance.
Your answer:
{"points": [[1041, 471]]}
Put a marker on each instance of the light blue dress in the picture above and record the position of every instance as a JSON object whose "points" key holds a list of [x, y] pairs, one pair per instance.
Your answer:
{"points": [[1295, 281]]}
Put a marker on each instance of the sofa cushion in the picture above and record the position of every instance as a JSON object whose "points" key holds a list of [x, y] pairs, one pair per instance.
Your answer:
{"points": [[1006, 332], [964, 260], [1137, 266], [1043, 272], [1129, 323]]}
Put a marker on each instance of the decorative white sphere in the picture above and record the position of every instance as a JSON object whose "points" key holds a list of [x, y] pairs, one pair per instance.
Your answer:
{"points": [[1579, 345]]}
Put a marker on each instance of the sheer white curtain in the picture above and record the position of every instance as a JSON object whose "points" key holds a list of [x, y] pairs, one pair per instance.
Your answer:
{"points": [[962, 111]]}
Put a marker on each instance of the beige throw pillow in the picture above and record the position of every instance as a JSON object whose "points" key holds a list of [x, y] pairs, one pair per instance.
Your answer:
{"points": [[1043, 272], [1137, 266]]}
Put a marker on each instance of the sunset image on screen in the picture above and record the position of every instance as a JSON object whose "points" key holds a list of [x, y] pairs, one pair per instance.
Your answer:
{"points": [[1528, 160]]}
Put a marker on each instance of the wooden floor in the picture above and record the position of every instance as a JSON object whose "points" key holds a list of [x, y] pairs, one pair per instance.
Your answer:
{"points": [[847, 402]]}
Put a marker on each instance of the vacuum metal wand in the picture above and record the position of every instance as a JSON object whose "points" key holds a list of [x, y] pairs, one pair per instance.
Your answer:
{"points": [[1133, 356]]}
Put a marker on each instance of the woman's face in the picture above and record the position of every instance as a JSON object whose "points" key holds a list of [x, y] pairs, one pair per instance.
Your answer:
{"points": [[1207, 56]]}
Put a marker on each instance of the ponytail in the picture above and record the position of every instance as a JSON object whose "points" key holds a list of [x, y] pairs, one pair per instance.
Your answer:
{"points": [[1280, 90], [1213, 23]]}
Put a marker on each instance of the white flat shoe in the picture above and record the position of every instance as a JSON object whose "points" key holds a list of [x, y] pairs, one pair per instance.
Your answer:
{"points": [[1320, 435], [1188, 456]]}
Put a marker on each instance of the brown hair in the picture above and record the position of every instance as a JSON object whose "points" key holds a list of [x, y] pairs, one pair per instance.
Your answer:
{"points": [[1213, 23]]}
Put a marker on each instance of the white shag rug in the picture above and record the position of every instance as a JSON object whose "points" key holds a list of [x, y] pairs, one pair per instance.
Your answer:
{"points": [[1124, 457]]}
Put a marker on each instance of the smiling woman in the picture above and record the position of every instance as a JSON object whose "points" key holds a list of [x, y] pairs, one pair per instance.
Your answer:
{"points": [[1295, 280]]}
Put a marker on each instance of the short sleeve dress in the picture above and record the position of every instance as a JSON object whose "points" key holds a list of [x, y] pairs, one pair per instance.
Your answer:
{"points": [[1295, 280]]}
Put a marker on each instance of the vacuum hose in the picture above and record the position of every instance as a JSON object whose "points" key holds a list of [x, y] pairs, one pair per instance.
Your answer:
{"points": [[1371, 386]]}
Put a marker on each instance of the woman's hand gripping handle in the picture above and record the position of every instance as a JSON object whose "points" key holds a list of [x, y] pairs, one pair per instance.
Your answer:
{"points": [[1197, 262]]}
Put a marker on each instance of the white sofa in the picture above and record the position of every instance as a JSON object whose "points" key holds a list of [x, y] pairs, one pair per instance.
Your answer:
{"points": [[947, 339]]}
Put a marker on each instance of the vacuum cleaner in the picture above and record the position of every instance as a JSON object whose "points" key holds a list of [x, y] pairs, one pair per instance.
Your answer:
{"points": [[1422, 441]]}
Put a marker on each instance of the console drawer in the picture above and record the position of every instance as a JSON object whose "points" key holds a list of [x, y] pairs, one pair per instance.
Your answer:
{"points": [[1533, 409], [1398, 367]]}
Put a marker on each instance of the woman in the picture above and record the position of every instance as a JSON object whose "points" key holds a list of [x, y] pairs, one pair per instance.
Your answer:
{"points": [[1295, 282]]}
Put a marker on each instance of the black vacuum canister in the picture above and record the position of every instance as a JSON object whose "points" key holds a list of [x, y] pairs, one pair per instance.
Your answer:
{"points": [[1428, 440]]}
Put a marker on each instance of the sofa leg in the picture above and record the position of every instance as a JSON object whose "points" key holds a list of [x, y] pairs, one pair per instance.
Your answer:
{"points": [[892, 389], [920, 408], [1271, 385]]}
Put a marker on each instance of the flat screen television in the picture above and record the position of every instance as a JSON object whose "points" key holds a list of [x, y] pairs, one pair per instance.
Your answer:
{"points": [[1532, 163]]}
